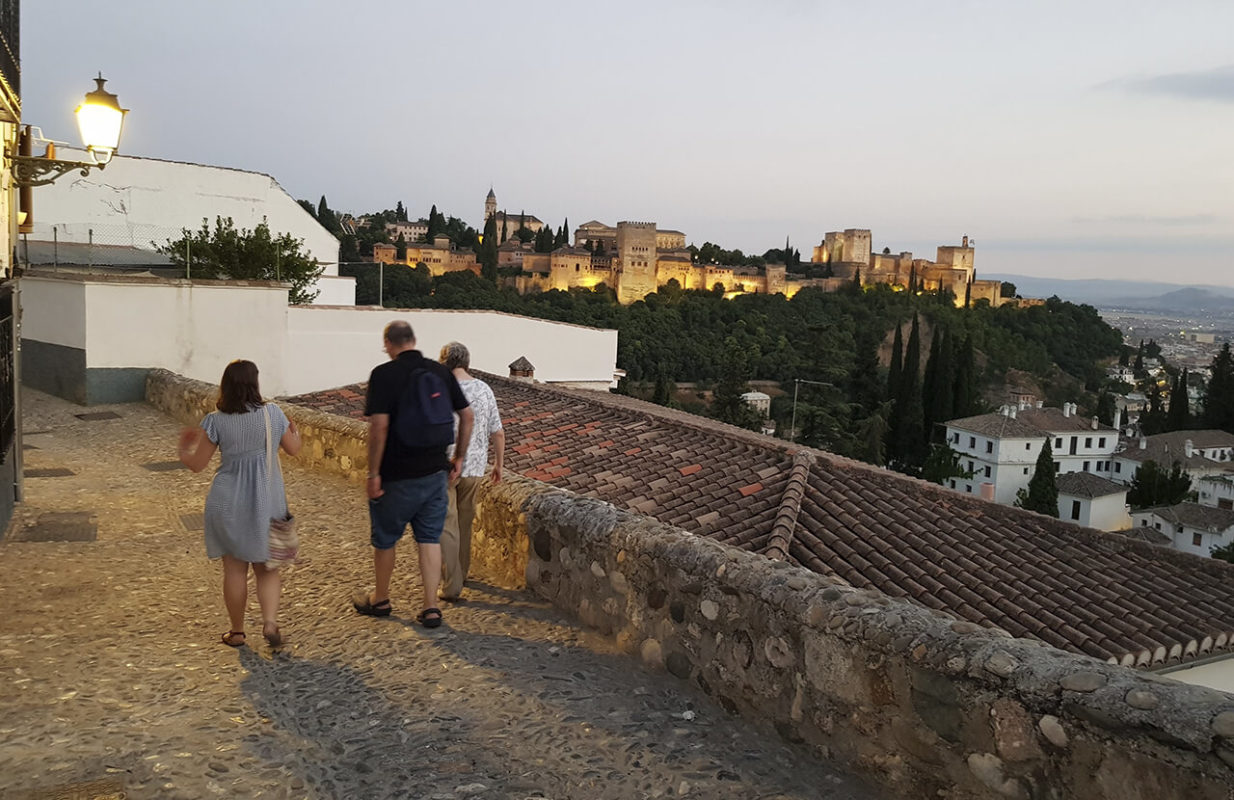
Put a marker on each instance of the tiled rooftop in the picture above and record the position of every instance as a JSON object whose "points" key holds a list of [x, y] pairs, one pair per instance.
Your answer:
{"points": [[1194, 515], [1027, 423], [1166, 448], [1086, 484], [1075, 588]]}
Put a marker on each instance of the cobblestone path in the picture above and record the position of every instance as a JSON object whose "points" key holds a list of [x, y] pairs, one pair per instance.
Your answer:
{"points": [[111, 672]]}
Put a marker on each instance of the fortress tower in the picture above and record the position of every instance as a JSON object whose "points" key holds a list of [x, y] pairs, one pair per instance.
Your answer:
{"points": [[490, 205], [636, 249]]}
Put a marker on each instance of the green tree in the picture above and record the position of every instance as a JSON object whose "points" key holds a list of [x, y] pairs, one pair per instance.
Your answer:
{"points": [[1179, 416], [1224, 553], [400, 248], [487, 255], [943, 464], [1007, 289], [1219, 399], [1154, 486], [1106, 408], [896, 369], [327, 218], [726, 404], [309, 207], [1042, 493], [400, 212], [227, 253]]}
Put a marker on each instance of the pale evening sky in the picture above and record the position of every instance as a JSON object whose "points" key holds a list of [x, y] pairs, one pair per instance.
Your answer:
{"points": [[1068, 139]]}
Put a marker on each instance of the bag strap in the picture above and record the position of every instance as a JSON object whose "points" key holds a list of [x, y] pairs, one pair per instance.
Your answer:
{"points": [[272, 461]]}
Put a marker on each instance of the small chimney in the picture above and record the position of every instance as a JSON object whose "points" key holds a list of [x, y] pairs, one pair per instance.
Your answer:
{"points": [[1095, 423], [1118, 418], [987, 491], [1143, 443], [1189, 448], [521, 369], [1066, 409], [1013, 412], [1023, 404], [1040, 404]]}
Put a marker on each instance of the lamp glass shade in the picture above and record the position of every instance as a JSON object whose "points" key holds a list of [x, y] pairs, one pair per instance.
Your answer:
{"points": [[100, 120]]}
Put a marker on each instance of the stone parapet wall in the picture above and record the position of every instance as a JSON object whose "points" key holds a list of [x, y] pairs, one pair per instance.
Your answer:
{"points": [[331, 443], [931, 706]]}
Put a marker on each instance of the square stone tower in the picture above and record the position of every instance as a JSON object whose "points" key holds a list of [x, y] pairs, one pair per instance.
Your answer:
{"points": [[636, 249]]}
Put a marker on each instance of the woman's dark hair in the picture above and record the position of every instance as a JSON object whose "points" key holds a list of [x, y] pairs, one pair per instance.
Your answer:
{"points": [[238, 390]]}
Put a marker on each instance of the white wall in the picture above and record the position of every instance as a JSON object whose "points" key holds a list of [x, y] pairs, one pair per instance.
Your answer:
{"points": [[54, 311], [195, 329], [1215, 674], [330, 347], [1108, 513], [192, 330], [334, 290]]}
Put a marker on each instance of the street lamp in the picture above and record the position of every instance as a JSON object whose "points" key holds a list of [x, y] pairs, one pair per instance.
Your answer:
{"points": [[100, 120]]}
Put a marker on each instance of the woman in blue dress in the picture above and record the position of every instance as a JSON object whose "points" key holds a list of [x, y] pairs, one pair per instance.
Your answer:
{"points": [[243, 498]]}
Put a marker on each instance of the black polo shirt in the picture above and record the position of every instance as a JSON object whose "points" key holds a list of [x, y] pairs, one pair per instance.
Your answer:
{"points": [[385, 386]]}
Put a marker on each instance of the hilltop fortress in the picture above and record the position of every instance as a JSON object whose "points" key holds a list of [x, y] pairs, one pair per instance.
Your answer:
{"points": [[637, 258]]}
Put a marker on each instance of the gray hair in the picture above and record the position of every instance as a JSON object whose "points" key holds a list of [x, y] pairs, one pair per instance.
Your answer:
{"points": [[399, 333], [455, 356]]}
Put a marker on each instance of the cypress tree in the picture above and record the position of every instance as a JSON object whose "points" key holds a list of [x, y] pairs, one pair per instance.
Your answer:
{"points": [[912, 279], [968, 294], [488, 250], [897, 364], [1219, 401], [1042, 493], [930, 385], [944, 381], [910, 436], [963, 401], [1178, 418], [1139, 361]]}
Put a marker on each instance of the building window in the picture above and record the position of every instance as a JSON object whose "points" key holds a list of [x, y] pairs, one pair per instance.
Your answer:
{"points": [[1101, 442], [1026, 470], [1088, 441], [972, 443], [1075, 509], [1197, 539], [1086, 466], [1118, 467], [953, 483], [971, 468], [1058, 443], [987, 472], [989, 447], [1057, 467], [1028, 445], [968, 487]]}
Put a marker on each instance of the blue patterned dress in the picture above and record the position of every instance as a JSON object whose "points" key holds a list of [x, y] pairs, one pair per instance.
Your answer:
{"points": [[238, 507]]}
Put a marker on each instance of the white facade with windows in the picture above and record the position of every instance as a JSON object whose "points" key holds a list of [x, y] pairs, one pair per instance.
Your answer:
{"points": [[1001, 449], [1201, 453], [1093, 501], [1191, 527]]}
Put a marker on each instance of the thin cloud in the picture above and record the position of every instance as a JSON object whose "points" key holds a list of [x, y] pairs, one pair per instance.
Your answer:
{"points": [[1215, 84], [1147, 219]]}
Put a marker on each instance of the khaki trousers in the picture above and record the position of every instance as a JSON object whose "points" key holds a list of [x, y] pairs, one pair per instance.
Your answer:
{"points": [[456, 536]]}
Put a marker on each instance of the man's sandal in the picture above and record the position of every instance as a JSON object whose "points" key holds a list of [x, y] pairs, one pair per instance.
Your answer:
{"points": [[234, 638], [430, 617], [364, 604]]}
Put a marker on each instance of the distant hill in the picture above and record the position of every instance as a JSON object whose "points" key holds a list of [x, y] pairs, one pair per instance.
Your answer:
{"points": [[1140, 295]]}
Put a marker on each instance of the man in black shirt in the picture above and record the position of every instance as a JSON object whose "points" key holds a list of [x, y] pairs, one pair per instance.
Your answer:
{"points": [[407, 485]]}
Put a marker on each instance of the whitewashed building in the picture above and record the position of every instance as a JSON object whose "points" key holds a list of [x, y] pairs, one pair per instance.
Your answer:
{"points": [[1202, 453], [759, 401], [1217, 490], [137, 204], [1001, 449], [1095, 502], [1191, 527]]}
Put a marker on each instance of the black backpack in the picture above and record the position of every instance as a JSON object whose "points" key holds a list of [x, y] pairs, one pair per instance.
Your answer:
{"points": [[425, 413]]}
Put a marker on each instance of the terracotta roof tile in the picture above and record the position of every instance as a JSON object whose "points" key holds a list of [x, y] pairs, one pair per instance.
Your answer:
{"points": [[1106, 595]]}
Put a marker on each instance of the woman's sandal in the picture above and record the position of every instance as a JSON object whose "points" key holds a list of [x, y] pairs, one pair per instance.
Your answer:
{"points": [[430, 618], [234, 638], [274, 639]]}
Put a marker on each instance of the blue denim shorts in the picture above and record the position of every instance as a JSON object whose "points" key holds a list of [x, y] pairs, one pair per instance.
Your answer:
{"points": [[419, 502]]}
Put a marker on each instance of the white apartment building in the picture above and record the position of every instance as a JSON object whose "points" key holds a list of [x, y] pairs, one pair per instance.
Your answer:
{"points": [[1201, 453], [1001, 449], [1217, 490], [1190, 527]]}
